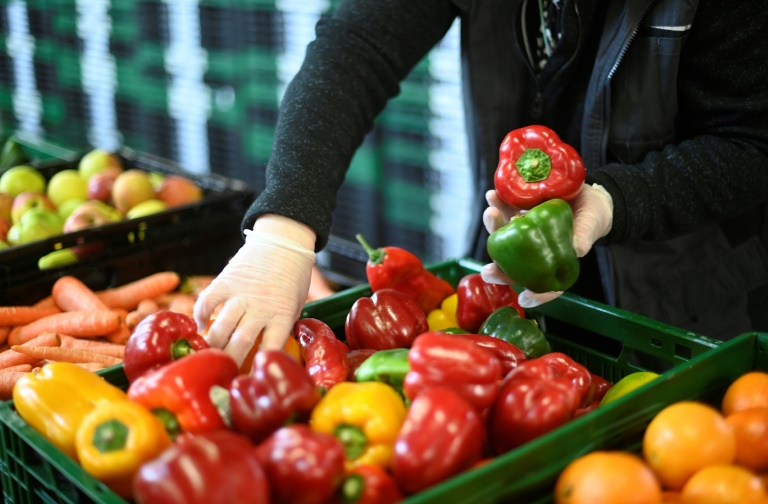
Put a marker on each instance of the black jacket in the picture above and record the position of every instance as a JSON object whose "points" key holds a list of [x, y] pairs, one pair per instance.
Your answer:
{"points": [[665, 100]]}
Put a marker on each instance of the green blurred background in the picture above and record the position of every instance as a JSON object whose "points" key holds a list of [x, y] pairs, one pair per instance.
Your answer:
{"points": [[200, 81]]}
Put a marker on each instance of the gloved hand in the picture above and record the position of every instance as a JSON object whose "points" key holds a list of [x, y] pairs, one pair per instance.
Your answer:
{"points": [[592, 219], [263, 288]]}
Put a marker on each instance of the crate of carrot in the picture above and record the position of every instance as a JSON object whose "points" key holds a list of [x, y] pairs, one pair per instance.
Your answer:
{"points": [[195, 237]]}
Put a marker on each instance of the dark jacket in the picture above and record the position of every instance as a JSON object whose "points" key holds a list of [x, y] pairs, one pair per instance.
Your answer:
{"points": [[665, 100]]}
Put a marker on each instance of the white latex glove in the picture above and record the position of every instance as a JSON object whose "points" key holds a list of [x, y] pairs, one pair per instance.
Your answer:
{"points": [[592, 219], [263, 288]]}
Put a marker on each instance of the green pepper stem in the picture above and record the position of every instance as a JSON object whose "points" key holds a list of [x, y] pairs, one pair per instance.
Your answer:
{"points": [[376, 256], [181, 348], [352, 488], [110, 436], [353, 439], [534, 165], [169, 420]]}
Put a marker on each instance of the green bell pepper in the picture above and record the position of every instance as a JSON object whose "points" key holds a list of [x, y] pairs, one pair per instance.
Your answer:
{"points": [[535, 249], [386, 366], [505, 323], [453, 330]]}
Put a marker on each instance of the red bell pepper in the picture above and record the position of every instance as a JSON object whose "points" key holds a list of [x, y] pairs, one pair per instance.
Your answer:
{"points": [[443, 359], [442, 435], [388, 319], [302, 466], [478, 299], [369, 484], [535, 165], [325, 356], [190, 394], [218, 466], [159, 339], [396, 268], [278, 391], [538, 396], [600, 386], [508, 354]]}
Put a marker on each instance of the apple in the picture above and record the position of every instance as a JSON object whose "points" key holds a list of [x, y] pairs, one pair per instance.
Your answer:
{"points": [[5, 225], [97, 161], [100, 185], [6, 202], [149, 207], [90, 214], [156, 178], [66, 208], [3, 245], [27, 201], [131, 188], [176, 190], [20, 179], [65, 185], [35, 224]]}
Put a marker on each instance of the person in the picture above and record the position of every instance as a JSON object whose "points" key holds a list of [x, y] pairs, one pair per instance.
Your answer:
{"points": [[666, 101]]}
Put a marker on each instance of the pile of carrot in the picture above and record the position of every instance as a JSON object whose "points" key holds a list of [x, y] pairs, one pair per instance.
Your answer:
{"points": [[90, 328]]}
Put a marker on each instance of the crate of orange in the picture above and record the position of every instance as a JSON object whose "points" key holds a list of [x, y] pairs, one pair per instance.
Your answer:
{"points": [[610, 342]]}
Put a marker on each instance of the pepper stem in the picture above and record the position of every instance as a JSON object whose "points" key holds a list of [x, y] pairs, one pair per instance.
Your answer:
{"points": [[110, 436], [352, 488], [375, 256], [169, 420], [181, 348], [352, 438], [534, 165]]}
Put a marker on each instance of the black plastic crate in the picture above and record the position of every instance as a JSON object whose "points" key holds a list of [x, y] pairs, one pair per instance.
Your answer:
{"points": [[198, 238]]}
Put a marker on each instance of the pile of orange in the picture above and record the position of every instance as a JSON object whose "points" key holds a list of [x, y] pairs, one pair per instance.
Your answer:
{"points": [[692, 453]]}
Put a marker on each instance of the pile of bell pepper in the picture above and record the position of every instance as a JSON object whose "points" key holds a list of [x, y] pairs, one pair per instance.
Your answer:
{"points": [[386, 406]]}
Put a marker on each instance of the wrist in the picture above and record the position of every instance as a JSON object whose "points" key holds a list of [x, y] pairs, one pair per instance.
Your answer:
{"points": [[287, 228]]}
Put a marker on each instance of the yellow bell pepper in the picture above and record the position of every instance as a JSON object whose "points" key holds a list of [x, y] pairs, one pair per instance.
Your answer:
{"points": [[445, 316], [56, 399], [115, 439], [365, 416]]}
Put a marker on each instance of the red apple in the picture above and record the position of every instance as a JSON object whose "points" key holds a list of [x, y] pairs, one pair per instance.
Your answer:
{"points": [[176, 190], [90, 214], [28, 200], [100, 185], [6, 202], [5, 225], [131, 188], [97, 161]]}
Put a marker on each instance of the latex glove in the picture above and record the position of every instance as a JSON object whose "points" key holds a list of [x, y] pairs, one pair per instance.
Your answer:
{"points": [[263, 288], [592, 219]]}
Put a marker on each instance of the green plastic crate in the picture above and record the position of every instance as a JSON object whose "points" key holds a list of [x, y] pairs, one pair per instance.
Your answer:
{"points": [[32, 470]]}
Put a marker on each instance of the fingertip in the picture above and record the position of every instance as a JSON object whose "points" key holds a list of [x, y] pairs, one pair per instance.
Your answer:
{"points": [[275, 337]]}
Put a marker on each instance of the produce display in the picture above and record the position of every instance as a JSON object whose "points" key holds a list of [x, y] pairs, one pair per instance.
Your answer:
{"points": [[100, 190], [692, 453]]}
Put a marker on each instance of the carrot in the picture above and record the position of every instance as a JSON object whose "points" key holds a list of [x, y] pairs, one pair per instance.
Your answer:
{"points": [[20, 315], [9, 358], [59, 354], [129, 296], [71, 294], [4, 332], [75, 323], [145, 308], [102, 347], [7, 382], [182, 303], [119, 336], [46, 301], [21, 368], [195, 284]]}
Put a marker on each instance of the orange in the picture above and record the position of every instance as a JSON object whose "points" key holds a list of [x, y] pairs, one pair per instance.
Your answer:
{"points": [[748, 391], [670, 497], [723, 484], [685, 437], [751, 429], [607, 477]]}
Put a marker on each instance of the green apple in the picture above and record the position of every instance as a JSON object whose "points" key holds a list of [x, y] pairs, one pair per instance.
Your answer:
{"points": [[57, 258], [97, 161], [27, 201], [66, 208], [131, 188], [22, 178], [66, 185], [156, 179], [35, 224], [90, 214], [148, 207]]}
